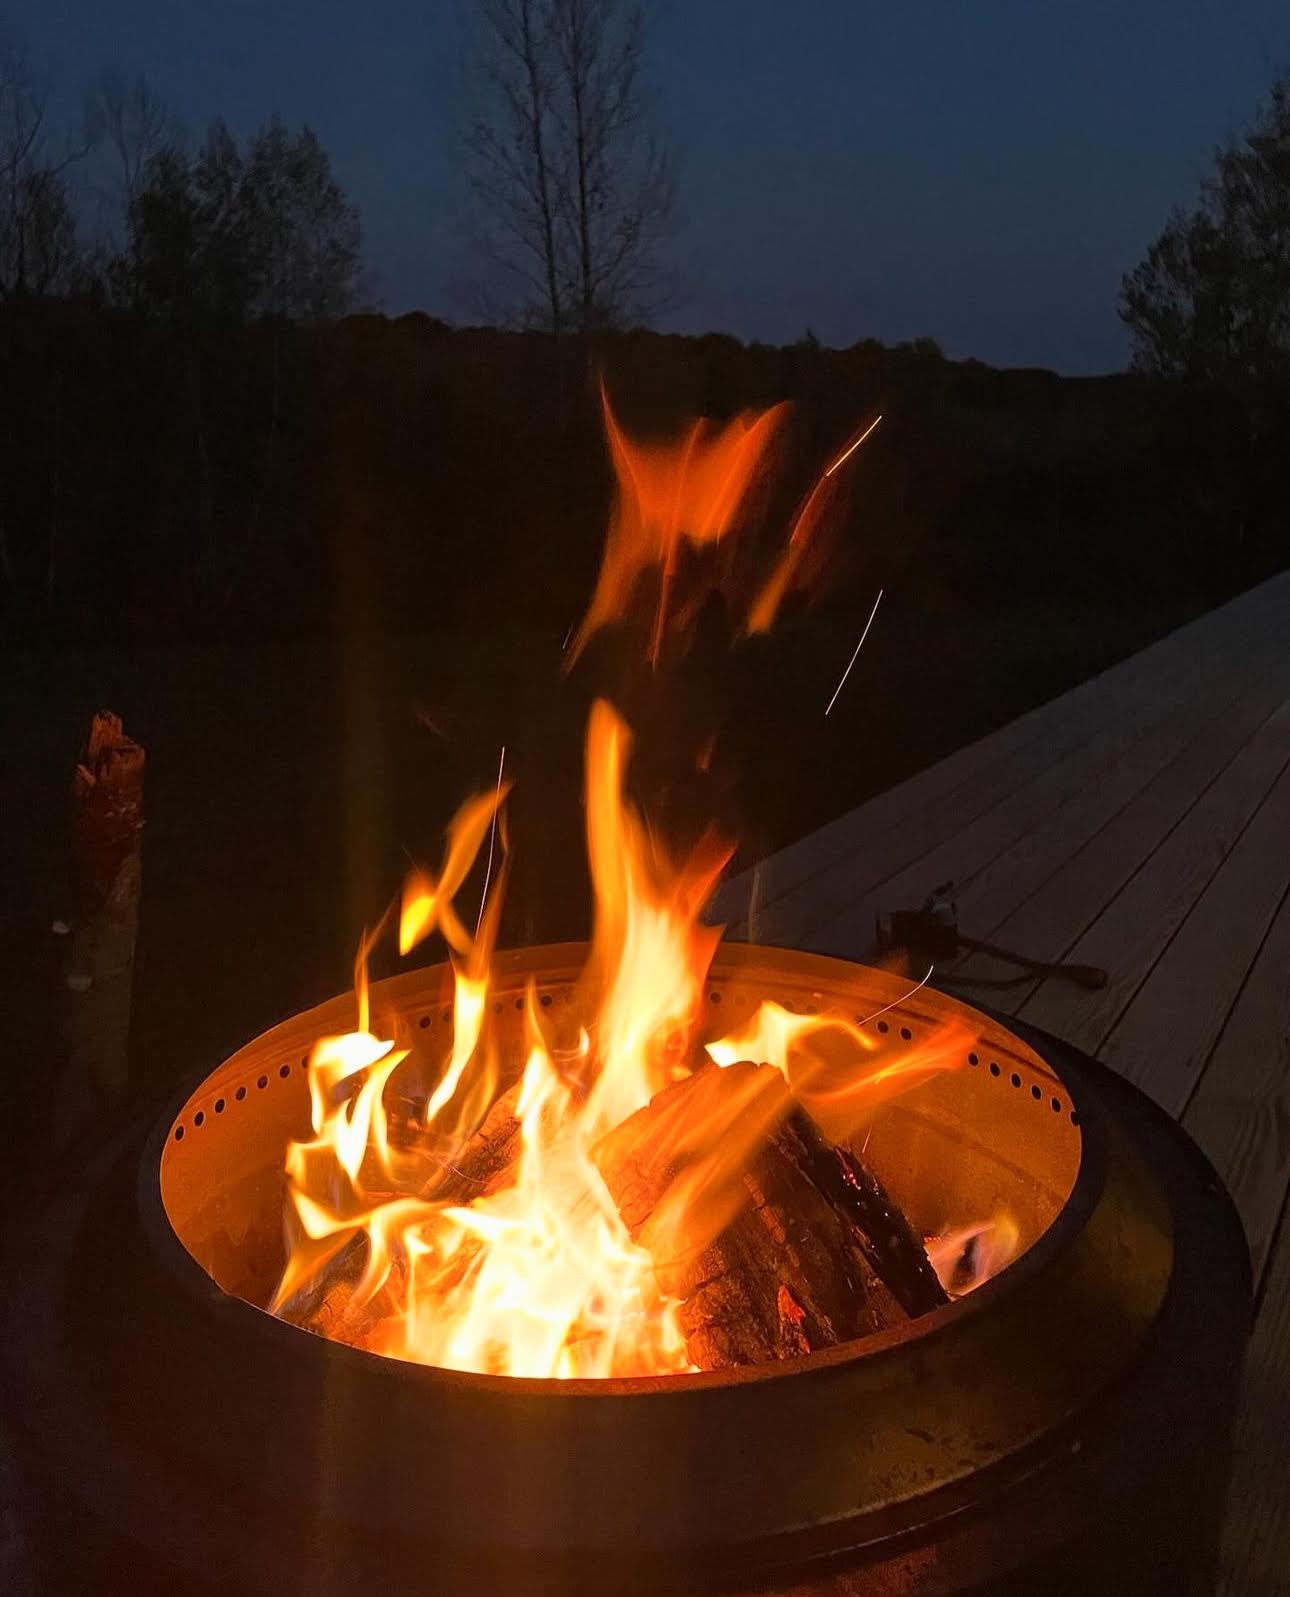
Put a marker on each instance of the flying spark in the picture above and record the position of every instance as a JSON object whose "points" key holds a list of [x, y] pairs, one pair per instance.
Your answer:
{"points": [[858, 648], [492, 838], [903, 999], [851, 448]]}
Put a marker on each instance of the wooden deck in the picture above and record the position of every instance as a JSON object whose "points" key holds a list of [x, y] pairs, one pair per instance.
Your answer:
{"points": [[1141, 823]]}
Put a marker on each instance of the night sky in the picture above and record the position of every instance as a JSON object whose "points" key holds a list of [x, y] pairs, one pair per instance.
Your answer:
{"points": [[980, 173]]}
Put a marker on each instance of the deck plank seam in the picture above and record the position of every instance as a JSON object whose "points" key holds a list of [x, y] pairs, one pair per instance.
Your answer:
{"points": [[1104, 1036], [1282, 906], [1069, 757], [1111, 820], [1075, 702], [1150, 855], [1148, 781], [1278, 1239]]}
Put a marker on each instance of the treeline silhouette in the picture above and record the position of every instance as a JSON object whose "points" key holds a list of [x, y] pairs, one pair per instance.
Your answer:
{"points": [[165, 478]]}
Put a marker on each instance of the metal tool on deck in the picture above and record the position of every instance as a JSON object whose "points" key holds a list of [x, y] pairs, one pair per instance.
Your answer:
{"points": [[931, 936]]}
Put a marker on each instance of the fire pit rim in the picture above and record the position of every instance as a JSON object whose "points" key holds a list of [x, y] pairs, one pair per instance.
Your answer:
{"points": [[564, 961]]}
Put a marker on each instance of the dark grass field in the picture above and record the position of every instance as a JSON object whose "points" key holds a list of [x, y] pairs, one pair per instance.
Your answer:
{"points": [[289, 785]]}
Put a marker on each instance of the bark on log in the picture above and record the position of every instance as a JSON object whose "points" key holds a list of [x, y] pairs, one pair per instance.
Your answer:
{"points": [[784, 1275], [106, 869], [486, 1159], [884, 1235]]}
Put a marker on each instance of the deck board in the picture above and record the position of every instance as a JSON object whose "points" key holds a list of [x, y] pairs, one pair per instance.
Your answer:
{"points": [[1133, 930], [1140, 822], [800, 891], [1256, 1535], [1048, 922], [992, 763], [1165, 1038], [1130, 747], [1240, 1113], [1143, 795]]}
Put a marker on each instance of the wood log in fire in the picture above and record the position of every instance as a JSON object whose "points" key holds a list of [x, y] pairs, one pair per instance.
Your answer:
{"points": [[485, 1162], [889, 1244], [766, 1253], [774, 1242]]}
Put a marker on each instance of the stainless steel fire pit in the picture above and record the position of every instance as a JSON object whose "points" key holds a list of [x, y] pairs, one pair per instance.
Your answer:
{"points": [[1065, 1423]]}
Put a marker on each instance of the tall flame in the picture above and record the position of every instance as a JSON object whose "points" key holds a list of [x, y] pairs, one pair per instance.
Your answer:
{"points": [[667, 495], [694, 490], [539, 1277], [537, 1274], [405, 1234]]}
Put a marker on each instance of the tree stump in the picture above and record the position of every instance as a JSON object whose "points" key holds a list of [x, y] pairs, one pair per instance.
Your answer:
{"points": [[105, 878]]}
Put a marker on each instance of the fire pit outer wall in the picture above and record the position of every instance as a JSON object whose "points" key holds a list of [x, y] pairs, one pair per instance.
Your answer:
{"points": [[1068, 1422]]}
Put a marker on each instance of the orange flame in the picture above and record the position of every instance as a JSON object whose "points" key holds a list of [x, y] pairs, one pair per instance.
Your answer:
{"points": [[539, 1277], [395, 1240], [538, 1274], [806, 525], [688, 491], [968, 1257], [693, 490], [427, 902], [823, 1060]]}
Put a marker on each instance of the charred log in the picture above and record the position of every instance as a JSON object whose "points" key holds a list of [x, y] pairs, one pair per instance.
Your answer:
{"points": [[774, 1242], [486, 1161], [884, 1235], [782, 1274]]}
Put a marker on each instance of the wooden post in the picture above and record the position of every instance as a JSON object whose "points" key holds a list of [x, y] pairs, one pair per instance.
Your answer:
{"points": [[107, 822]]}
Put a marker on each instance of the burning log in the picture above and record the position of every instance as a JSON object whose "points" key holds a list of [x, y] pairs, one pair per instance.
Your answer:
{"points": [[484, 1163], [885, 1236], [772, 1251], [486, 1160], [766, 1253]]}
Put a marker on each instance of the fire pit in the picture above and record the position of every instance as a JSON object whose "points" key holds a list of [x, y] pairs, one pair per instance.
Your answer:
{"points": [[636, 1265], [1065, 1422]]}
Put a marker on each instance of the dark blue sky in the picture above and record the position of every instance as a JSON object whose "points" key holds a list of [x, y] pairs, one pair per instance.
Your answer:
{"points": [[980, 172]]}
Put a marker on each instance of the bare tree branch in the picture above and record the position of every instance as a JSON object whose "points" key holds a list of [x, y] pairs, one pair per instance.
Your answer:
{"points": [[129, 123], [561, 162], [39, 252]]}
